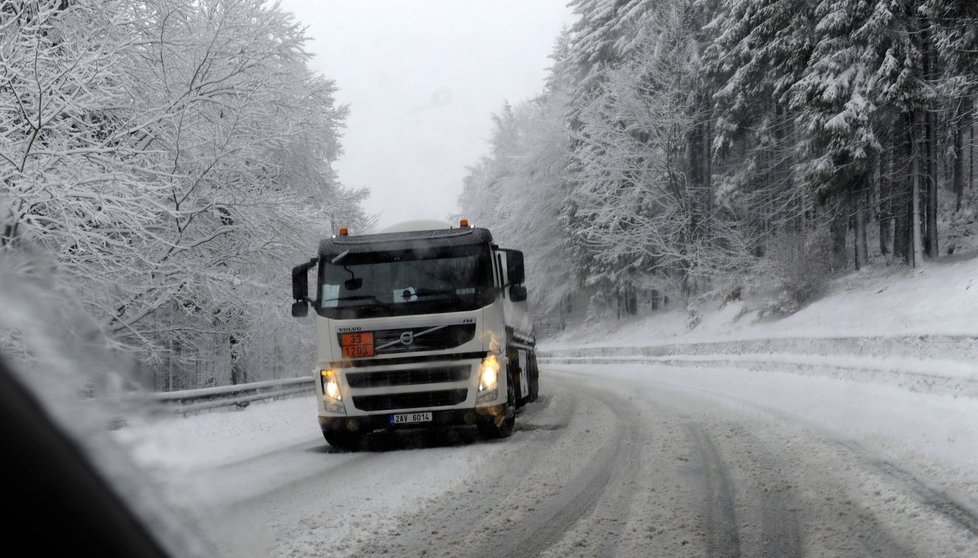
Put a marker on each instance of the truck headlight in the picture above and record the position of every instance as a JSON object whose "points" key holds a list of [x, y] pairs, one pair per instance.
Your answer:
{"points": [[332, 398], [489, 374]]}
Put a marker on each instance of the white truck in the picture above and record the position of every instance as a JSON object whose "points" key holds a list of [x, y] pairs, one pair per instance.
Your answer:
{"points": [[418, 326]]}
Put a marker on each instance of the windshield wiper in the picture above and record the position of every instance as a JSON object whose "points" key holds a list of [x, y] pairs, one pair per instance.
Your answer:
{"points": [[360, 297], [435, 292]]}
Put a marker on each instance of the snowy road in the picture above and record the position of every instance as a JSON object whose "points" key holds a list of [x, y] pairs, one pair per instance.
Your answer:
{"points": [[628, 460]]}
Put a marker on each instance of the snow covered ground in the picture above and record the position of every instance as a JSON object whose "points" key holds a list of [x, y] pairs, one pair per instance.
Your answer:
{"points": [[847, 429], [938, 299]]}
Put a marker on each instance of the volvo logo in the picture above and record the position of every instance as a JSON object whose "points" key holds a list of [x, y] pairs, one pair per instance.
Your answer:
{"points": [[407, 337]]}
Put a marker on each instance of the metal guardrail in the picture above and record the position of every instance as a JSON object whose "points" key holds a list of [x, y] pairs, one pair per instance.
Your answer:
{"points": [[962, 347], [196, 400], [927, 364]]}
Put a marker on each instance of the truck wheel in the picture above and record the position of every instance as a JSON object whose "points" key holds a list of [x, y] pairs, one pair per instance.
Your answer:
{"points": [[342, 440], [501, 426]]}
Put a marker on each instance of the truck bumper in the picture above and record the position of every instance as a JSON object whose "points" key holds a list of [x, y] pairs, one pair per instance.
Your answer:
{"points": [[371, 423]]}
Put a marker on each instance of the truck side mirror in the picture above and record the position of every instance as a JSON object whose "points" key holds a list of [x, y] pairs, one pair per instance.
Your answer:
{"points": [[514, 267], [300, 309], [517, 293], [300, 288], [300, 282]]}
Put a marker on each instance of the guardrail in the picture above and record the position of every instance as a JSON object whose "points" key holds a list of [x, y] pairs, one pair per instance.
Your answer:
{"points": [[928, 364], [196, 400], [914, 346]]}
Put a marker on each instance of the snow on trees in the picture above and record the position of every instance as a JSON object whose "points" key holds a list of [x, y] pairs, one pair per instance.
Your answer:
{"points": [[517, 192], [169, 153], [640, 214], [859, 86], [704, 131]]}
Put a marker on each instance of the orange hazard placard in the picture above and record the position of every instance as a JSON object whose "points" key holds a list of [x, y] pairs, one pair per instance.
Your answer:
{"points": [[357, 344]]}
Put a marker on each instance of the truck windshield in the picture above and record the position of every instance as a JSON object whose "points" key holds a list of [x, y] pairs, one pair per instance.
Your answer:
{"points": [[405, 282]]}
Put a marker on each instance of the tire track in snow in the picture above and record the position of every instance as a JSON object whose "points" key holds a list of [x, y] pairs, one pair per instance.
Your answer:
{"points": [[764, 503], [600, 516], [548, 525], [542, 489], [938, 501], [583, 496], [875, 538], [935, 499], [487, 516], [722, 537], [780, 530], [859, 532], [749, 500]]}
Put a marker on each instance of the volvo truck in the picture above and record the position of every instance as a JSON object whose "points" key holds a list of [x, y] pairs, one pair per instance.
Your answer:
{"points": [[419, 326]]}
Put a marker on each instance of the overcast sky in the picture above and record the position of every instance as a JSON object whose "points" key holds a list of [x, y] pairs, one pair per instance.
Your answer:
{"points": [[422, 79]]}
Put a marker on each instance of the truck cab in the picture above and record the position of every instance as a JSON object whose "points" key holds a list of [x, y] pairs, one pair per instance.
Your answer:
{"points": [[416, 328]]}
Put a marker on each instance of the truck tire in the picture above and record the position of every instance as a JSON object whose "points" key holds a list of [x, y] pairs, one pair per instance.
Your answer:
{"points": [[501, 426], [342, 440]]}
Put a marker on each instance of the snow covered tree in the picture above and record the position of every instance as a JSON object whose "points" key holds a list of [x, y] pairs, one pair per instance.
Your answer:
{"points": [[245, 135], [956, 46], [760, 50], [850, 79], [518, 192], [169, 154], [71, 180], [638, 216]]}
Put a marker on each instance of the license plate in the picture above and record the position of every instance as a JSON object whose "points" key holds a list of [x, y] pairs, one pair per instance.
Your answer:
{"points": [[410, 418], [357, 344]]}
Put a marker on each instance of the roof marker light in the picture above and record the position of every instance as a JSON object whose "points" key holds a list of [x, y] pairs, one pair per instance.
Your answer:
{"points": [[464, 223], [344, 231]]}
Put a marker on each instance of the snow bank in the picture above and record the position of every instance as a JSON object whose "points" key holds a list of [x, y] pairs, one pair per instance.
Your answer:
{"points": [[940, 299]]}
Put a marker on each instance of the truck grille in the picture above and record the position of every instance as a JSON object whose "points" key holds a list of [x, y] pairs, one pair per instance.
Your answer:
{"points": [[384, 378], [423, 338], [440, 398]]}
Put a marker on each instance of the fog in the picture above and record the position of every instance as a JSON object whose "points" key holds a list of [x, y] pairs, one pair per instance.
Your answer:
{"points": [[422, 80]]}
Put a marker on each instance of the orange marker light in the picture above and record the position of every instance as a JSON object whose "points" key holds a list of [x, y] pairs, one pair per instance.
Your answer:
{"points": [[464, 223], [344, 231]]}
